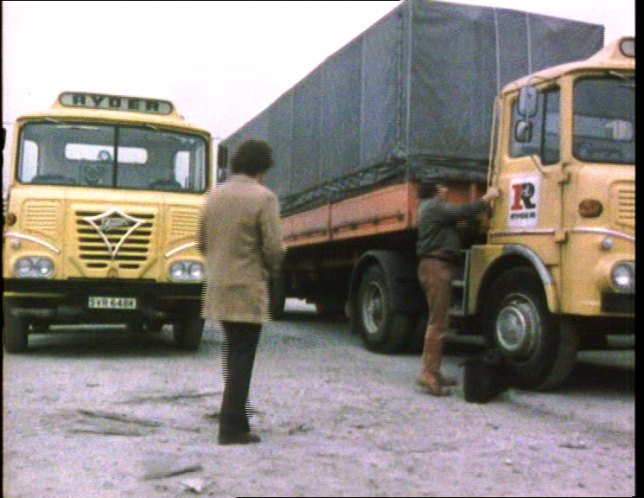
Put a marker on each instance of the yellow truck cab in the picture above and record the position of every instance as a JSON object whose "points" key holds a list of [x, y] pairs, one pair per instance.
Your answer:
{"points": [[102, 215], [558, 270]]}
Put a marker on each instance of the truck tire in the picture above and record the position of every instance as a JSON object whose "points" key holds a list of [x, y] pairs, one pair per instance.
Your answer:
{"points": [[538, 348], [15, 333], [383, 330], [277, 297], [188, 332]]}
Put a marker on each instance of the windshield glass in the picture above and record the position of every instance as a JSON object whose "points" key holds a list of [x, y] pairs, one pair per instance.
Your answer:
{"points": [[604, 119], [98, 155]]}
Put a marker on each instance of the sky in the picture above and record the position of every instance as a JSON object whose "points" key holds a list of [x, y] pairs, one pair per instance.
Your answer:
{"points": [[221, 63]]}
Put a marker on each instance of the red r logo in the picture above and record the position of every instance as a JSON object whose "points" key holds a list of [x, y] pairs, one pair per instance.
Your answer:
{"points": [[522, 194]]}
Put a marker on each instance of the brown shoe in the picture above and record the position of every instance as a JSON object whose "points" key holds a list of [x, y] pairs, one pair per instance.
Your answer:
{"points": [[432, 386]]}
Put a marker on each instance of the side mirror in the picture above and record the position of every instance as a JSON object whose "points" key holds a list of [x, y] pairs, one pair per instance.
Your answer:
{"points": [[523, 131], [222, 163], [528, 102]]}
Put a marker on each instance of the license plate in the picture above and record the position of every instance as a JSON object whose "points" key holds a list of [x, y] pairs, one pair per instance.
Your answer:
{"points": [[111, 303]]}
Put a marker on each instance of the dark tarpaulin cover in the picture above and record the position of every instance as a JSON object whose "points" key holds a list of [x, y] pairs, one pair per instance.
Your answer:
{"points": [[411, 96]]}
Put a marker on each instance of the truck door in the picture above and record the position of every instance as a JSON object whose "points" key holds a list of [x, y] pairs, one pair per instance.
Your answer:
{"points": [[518, 319], [532, 176]]}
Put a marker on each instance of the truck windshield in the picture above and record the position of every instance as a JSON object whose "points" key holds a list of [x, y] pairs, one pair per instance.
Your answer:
{"points": [[604, 119], [108, 156]]}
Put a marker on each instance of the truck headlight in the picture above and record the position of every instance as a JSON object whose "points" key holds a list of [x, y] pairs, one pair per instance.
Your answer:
{"points": [[623, 277], [186, 271], [34, 267], [196, 271]]}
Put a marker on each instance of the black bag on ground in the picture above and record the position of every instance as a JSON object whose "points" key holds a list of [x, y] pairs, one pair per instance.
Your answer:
{"points": [[484, 378]]}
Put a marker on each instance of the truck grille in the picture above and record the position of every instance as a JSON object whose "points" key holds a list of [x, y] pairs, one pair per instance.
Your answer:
{"points": [[183, 223], [128, 251], [42, 216], [624, 213]]}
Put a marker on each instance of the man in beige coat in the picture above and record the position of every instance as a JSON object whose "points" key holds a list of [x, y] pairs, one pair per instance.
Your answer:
{"points": [[240, 236]]}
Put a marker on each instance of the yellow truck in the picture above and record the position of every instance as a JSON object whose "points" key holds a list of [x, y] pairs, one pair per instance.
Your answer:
{"points": [[553, 269], [101, 220], [558, 269]]}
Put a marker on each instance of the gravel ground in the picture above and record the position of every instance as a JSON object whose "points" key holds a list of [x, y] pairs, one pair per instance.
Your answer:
{"points": [[106, 415]]}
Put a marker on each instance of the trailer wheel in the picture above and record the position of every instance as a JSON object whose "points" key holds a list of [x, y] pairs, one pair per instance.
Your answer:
{"points": [[15, 332], [538, 348], [188, 332], [382, 329]]}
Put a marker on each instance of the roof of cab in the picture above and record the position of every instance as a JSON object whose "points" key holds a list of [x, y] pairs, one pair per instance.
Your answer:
{"points": [[612, 56], [122, 109]]}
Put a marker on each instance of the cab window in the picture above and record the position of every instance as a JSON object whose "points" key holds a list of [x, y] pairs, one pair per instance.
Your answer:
{"points": [[604, 119], [539, 134], [108, 156]]}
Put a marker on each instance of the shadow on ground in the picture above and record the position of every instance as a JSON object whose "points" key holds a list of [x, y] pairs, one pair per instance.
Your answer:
{"points": [[96, 341]]}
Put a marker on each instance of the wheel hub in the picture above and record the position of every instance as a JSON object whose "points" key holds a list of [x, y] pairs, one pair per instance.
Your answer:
{"points": [[373, 309], [517, 329]]}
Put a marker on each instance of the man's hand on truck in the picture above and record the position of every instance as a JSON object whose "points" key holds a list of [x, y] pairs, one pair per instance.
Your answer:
{"points": [[491, 194]]}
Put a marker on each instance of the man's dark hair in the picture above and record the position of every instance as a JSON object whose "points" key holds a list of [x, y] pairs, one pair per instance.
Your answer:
{"points": [[252, 157], [427, 190]]}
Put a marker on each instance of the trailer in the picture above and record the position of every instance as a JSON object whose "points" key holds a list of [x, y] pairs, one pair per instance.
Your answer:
{"points": [[429, 92]]}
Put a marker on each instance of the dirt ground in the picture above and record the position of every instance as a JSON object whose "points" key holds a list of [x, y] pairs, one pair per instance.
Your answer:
{"points": [[98, 415]]}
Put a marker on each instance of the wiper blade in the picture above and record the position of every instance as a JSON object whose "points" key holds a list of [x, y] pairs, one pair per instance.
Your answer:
{"points": [[171, 136], [79, 127], [70, 126], [628, 79]]}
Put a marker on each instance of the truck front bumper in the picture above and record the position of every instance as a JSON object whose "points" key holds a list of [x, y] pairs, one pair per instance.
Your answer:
{"points": [[68, 301], [613, 302]]}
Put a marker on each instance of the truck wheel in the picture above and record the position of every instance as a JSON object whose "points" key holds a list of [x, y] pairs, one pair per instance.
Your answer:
{"points": [[383, 330], [277, 297], [15, 332], [188, 333], [538, 348]]}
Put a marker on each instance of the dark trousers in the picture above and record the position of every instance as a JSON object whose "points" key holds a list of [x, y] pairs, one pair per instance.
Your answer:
{"points": [[239, 351]]}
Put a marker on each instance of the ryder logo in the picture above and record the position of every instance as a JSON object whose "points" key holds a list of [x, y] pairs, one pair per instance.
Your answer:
{"points": [[524, 201]]}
